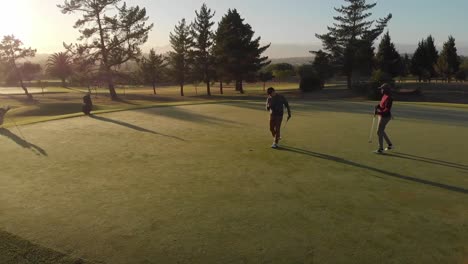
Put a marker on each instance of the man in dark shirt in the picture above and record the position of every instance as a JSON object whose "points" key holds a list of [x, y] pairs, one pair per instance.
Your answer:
{"points": [[87, 104], [275, 104]]}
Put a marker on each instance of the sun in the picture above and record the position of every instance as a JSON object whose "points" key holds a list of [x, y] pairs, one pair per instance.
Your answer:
{"points": [[15, 18]]}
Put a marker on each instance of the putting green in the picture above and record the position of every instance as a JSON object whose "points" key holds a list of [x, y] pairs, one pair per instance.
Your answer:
{"points": [[199, 184]]}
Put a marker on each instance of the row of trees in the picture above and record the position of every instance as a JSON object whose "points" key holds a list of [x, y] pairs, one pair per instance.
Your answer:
{"points": [[231, 54], [349, 50], [427, 63], [111, 34]]}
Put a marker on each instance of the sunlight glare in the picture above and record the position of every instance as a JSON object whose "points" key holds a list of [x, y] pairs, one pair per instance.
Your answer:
{"points": [[15, 18]]}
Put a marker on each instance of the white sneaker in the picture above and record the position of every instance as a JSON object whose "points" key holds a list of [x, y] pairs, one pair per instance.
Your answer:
{"points": [[389, 148], [274, 146], [379, 151]]}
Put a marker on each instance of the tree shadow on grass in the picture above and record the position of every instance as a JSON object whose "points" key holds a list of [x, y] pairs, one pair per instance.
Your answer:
{"points": [[14, 249], [428, 160], [388, 173], [186, 115], [22, 142], [137, 128]]}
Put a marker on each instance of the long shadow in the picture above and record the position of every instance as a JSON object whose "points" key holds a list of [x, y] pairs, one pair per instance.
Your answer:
{"points": [[388, 173], [137, 128], [16, 249], [428, 160], [434, 160], [185, 115], [22, 142]]}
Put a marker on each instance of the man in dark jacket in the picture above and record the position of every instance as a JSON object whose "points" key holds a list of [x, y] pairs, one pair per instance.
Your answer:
{"points": [[87, 104], [275, 104], [383, 110]]}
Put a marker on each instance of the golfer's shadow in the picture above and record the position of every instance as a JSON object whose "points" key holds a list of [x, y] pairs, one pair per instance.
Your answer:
{"points": [[362, 166], [22, 142], [428, 160], [137, 128]]}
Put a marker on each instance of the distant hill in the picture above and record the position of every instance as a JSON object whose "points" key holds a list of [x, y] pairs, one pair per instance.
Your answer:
{"points": [[296, 61]]}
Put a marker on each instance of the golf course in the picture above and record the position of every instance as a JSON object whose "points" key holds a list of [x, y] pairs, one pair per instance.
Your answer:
{"points": [[196, 181]]}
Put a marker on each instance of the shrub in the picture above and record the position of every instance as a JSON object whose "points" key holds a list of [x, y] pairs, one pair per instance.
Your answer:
{"points": [[310, 80]]}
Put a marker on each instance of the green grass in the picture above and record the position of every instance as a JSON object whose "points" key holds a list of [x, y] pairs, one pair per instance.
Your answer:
{"points": [[199, 184]]}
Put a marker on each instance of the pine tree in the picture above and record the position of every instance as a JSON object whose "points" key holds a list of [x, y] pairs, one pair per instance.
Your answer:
{"points": [[431, 57], [449, 56], [388, 59], [350, 40], [238, 56], [202, 34], [111, 33], [418, 62], [182, 56], [152, 68]]}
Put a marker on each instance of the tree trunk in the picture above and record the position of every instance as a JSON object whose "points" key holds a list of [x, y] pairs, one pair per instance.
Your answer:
{"points": [[154, 88], [264, 83], [21, 81], [181, 89], [241, 88], [64, 84], [110, 81], [208, 88], [26, 90], [221, 87]]}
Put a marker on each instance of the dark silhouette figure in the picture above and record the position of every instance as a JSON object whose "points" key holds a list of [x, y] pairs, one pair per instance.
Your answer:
{"points": [[87, 104]]}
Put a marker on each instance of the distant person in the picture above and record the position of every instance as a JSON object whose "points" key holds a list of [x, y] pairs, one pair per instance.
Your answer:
{"points": [[87, 104], [275, 104], [383, 110], [3, 112]]}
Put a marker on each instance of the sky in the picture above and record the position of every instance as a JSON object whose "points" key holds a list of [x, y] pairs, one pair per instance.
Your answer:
{"points": [[41, 25]]}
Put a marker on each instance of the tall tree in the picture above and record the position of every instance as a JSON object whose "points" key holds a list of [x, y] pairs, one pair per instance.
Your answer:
{"points": [[431, 56], [238, 55], [322, 66], [182, 56], [450, 56], [350, 40], [418, 62], [115, 31], [203, 42], [60, 65], [11, 51], [387, 58], [152, 68]]}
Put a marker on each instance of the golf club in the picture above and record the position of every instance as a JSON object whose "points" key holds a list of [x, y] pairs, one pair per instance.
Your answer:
{"points": [[285, 125], [17, 128], [371, 135]]}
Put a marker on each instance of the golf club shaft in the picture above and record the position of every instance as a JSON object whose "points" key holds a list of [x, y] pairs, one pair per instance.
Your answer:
{"points": [[17, 128], [372, 129]]}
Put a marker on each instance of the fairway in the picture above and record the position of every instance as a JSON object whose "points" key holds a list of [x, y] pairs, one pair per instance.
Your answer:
{"points": [[200, 184]]}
